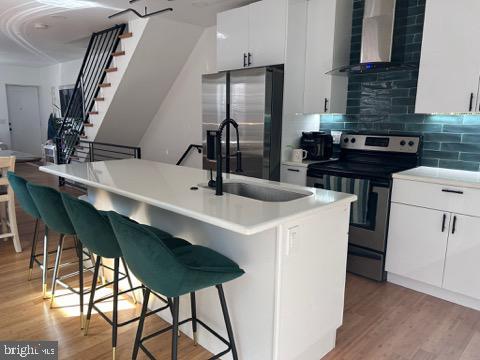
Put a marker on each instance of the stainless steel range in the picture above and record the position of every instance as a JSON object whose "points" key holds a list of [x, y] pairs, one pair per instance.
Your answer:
{"points": [[365, 167]]}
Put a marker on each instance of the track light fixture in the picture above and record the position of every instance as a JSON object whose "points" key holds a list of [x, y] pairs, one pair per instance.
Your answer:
{"points": [[145, 15]]}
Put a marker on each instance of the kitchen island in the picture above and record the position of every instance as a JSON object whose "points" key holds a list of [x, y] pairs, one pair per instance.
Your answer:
{"points": [[289, 304]]}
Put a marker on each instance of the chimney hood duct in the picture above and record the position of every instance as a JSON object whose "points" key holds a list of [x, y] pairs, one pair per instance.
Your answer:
{"points": [[377, 39]]}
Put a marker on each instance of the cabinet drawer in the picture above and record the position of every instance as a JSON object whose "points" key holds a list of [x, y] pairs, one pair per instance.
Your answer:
{"points": [[294, 175], [435, 196]]}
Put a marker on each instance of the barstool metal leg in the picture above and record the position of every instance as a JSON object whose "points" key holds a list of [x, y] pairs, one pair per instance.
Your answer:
{"points": [[116, 271], [170, 306], [136, 345], [176, 301], [92, 295], [79, 246], [129, 280], [193, 304], [228, 324], [58, 258], [102, 273], [34, 250], [45, 263]]}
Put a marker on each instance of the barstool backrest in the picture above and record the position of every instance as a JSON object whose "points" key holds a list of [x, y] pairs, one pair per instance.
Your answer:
{"points": [[7, 163], [92, 227], [19, 186], [50, 206], [147, 256]]}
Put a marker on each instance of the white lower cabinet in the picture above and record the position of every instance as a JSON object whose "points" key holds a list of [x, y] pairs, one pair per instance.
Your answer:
{"points": [[462, 265], [294, 174], [432, 248], [417, 243]]}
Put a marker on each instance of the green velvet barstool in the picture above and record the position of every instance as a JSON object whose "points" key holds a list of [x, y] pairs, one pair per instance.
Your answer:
{"points": [[52, 211], [19, 186], [93, 228], [173, 273]]}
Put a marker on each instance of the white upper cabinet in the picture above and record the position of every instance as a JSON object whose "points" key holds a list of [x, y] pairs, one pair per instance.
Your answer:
{"points": [[267, 35], [252, 36], [450, 63], [232, 38], [329, 31]]}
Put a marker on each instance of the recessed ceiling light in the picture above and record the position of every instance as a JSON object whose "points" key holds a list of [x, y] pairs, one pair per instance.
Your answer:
{"points": [[40, 26]]}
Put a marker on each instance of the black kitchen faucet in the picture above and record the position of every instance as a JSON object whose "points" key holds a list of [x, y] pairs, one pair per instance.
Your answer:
{"points": [[217, 135]]}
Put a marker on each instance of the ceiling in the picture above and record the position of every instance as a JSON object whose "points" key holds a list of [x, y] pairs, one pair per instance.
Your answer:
{"points": [[45, 32]]}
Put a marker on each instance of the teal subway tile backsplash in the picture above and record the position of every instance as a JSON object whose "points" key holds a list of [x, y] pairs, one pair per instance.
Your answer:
{"points": [[446, 145], [384, 101]]}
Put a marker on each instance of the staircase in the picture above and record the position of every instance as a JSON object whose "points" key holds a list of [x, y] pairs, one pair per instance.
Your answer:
{"points": [[104, 47], [124, 78]]}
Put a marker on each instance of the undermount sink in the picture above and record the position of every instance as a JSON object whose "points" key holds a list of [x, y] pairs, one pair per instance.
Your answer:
{"points": [[262, 193]]}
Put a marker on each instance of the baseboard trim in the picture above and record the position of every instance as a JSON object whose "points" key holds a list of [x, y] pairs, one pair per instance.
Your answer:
{"points": [[434, 291]]}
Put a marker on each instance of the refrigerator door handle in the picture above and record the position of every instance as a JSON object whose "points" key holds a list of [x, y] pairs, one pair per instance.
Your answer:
{"points": [[244, 60]]}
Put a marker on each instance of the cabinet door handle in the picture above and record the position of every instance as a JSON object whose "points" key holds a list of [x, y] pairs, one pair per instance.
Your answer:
{"points": [[443, 222], [293, 170], [325, 106], [458, 192], [470, 107], [454, 226], [249, 59], [244, 60]]}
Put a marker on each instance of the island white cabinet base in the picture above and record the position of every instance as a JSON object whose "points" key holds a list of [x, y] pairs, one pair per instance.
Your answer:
{"points": [[289, 303]]}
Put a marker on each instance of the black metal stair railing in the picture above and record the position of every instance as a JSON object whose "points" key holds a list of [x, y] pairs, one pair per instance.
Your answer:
{"points": [[199, 149], [92, 73]]}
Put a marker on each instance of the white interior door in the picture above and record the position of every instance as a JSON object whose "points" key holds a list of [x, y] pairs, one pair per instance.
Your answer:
{"points": [[24, 118]]}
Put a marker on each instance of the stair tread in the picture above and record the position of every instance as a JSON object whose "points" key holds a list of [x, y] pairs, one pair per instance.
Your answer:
{"points": [[112, 69], [126, 35], [99, 99], [88, 124], [83, 137], [105, 85], [93, 113], [118, 53]]}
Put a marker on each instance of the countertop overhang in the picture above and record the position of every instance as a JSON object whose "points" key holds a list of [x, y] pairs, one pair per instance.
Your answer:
{"points": [[460, 178], [169, 187]]}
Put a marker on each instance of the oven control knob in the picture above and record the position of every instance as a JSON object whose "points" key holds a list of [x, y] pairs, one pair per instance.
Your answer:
{"points": [[353, 140], [411, 143], [345, 140], [403, 143]]}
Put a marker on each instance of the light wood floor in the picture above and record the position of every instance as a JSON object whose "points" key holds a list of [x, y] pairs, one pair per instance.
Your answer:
{"points": [[382, 321]]}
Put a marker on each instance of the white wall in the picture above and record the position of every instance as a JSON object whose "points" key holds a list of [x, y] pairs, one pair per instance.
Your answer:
{"points": [[156, 63], [47, 79], [68, 72], [178, 121]]}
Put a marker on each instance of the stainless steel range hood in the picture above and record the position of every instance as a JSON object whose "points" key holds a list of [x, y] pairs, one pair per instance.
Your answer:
{"points": [[377, 39]]}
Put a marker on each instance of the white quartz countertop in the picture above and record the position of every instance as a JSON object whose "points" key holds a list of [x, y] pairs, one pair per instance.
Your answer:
{"points": [[461, 178], [168, 187]]}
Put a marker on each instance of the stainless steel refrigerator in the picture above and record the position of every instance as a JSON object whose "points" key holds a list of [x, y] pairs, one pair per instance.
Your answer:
{"points": [[254, 99]]}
